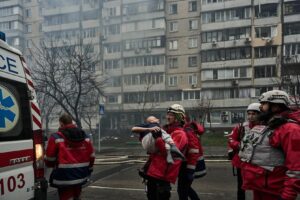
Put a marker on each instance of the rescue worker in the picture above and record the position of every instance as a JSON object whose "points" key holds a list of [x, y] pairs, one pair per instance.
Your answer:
{"points": [[194, 158], [160, 174], [234, 143], [270, 152], [71, 154]]}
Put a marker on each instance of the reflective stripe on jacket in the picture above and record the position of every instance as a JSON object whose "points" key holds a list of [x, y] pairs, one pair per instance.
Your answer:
{"points": [[72, 161]]}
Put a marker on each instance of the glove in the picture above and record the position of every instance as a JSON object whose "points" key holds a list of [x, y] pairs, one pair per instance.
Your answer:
{"points": [[190, 174], [156, 134]]}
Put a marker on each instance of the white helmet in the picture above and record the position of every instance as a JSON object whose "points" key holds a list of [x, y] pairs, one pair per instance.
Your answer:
{"points": [[254, 107], [275, 96], [176, 108]]}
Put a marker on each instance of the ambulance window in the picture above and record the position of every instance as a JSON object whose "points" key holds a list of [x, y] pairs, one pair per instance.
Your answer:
{"points": [[15, 117]]}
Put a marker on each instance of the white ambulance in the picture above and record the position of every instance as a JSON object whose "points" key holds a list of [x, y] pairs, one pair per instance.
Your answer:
{"points": [[21, 139]]}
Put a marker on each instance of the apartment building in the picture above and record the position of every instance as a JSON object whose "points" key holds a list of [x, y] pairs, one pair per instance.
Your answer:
{"points": [[291, 49], [183, 52], [220, 54], [73, 22], [134, 57], [21, 22], [240, 54]]}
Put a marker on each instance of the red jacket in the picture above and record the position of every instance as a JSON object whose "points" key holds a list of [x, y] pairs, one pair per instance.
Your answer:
{"points": [[234, 140], [159, 168], [194, 148], [71, 153], [283, 180]]}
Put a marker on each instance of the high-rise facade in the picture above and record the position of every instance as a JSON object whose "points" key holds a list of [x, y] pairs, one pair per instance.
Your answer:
{"points": [[134, 57], [291, 48], [212, 56], [21, 21], [218, 54]]}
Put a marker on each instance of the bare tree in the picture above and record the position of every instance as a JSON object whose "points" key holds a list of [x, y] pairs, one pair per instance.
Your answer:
{"points": [[146, 99], [66, 73], [201, 110], [47, 107], [290, 84]]}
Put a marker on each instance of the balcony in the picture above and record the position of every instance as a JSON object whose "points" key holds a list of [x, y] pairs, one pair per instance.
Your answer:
{"points": [[291, 59], [225, 5]]}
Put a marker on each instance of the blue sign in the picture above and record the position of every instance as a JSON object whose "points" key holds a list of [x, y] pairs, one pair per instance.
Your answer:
{"points": [[101, 109], [9, 110]]}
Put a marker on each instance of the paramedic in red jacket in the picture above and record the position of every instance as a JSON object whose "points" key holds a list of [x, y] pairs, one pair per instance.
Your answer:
{"points": [[71, 154], [271, 152], [160, 173], [194, 155], [234, 143]]}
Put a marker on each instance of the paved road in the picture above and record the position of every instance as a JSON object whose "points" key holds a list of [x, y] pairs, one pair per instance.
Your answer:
{"points": [[127, 185]]}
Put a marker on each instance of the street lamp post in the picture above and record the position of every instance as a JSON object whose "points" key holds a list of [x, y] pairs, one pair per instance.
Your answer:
{"points": [[101, 112]]}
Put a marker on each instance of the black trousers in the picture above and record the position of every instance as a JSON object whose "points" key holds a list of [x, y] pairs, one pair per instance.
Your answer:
{"points": [[240, 191], [184, 188], [158, 189]]}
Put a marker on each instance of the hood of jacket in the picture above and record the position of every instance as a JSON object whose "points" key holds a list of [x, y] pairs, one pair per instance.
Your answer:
{"points": [[73, 133], [293, 115], [169, 128]]}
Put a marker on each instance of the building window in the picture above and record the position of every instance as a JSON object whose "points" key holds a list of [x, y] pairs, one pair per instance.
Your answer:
{"points": [[292, 28], [173, 8], [28, 12], [265, 71], [291, 8], [226, 15], [193, 24], [265, 52], [173, 45], [142, 79], [193, 42], [226, 54], [223, 74], [213, 1], [266, 32], [192, 61], [192, 6], [193, 94], [173, 26], [111, 64], [28, 28], [266, 10], [192, 79], [112, 29], [173, 81], [16, 41], [237, 117], [112, 99], [225, 35], [292, 49], [259, 91], [112, 48], [142, 61], [173, 63], [28, 43], [214, 117], [145, 43], [114, 82]]}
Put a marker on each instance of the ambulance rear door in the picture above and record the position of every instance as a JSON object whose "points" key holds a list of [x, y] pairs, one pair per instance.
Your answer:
{"points": [[16, 138]]}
